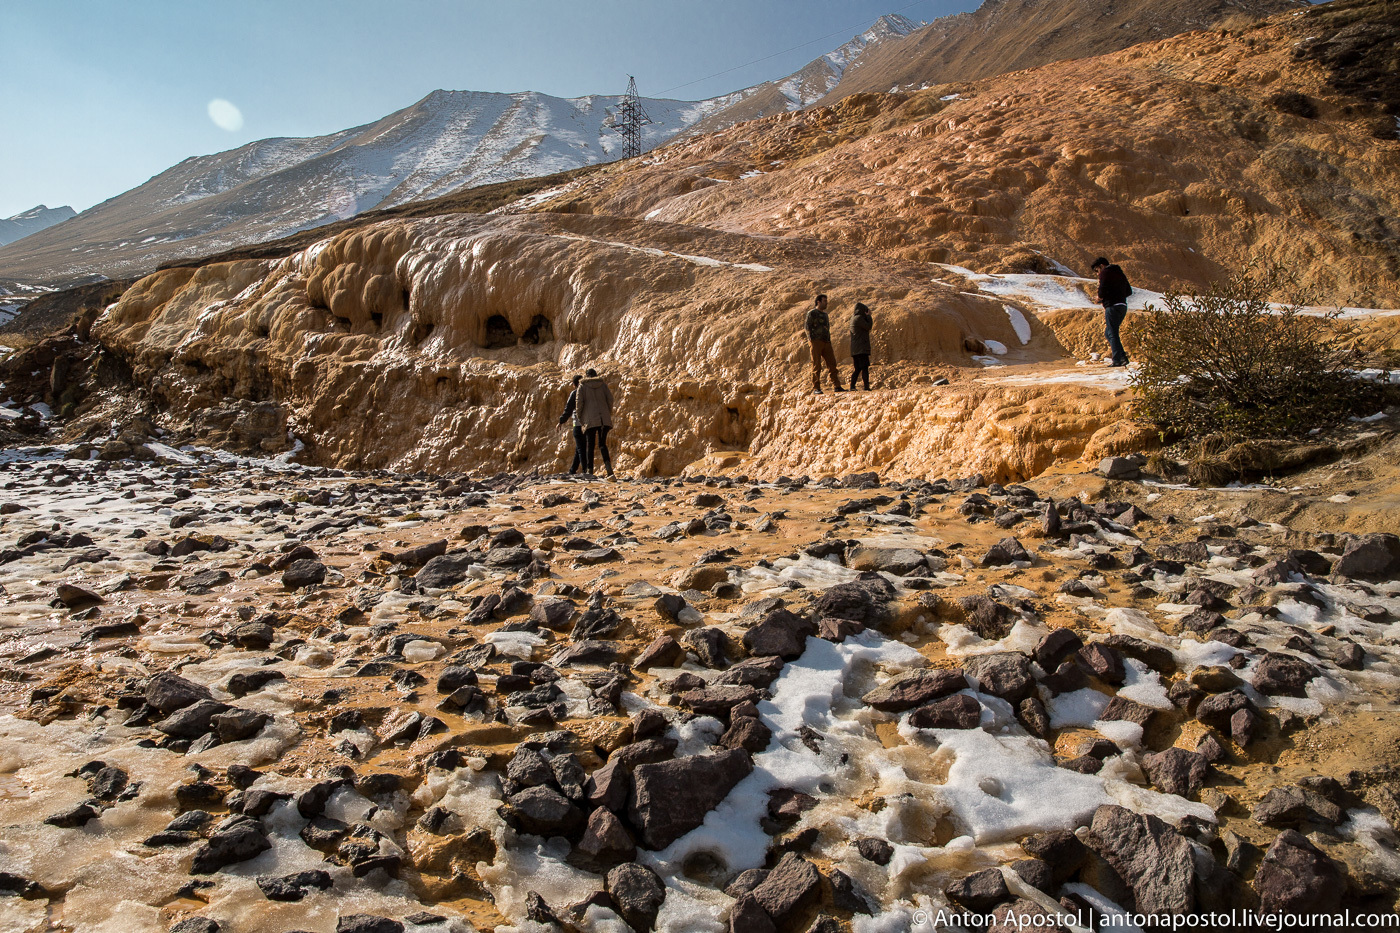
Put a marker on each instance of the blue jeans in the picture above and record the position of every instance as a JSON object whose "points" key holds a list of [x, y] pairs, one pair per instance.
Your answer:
{"points": [[1113, 319]]}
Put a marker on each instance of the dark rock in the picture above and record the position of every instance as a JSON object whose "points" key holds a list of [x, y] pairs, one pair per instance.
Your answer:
{"points": [[986, 617], [554, 614], [846, 894], [73, 818], [528, 768], [758, 673], [1296, 878], [1153, 859], [244, 683], [979, 891], [781, 633], [235, 725], [196, 925], [748, 733], [664, 651], [446, 571], [1283, 675], [1216, 711], [790, 888], [543, 811], [875, 850], [638, 893], [238, 843], [192, 721], [1005, 674], [1292, 806], [367, 923], [1033, 716], [1243, 725], [1061, 849], [294, 887], [302, 573], [746, 881], [169, 692], [670, 798], [252, 636], [605, 840], [709, 645], [1055, 647], [1157, 657], [959, 711], [915, 689], [1370, 557], [1006, 551], [1035, 873], [1101, 661], [75, 597], [323, 833], [1177, 771], [864, 600], [1119, 708], [748, 916], [717, 700]]}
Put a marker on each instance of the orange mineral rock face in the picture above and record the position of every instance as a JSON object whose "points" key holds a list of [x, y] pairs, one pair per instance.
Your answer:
{"points": [[448, 344]]}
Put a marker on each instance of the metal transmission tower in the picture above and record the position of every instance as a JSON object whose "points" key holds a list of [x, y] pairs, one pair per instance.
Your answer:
{"points": [[628, 120]]}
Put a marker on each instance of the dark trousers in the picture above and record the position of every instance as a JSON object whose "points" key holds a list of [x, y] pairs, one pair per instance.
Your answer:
{"points": [[580, 444], [862, 369], [598, 437], [1113, 319]]}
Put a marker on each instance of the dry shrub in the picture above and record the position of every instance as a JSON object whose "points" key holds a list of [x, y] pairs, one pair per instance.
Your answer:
{"points": [[1229, 363]]}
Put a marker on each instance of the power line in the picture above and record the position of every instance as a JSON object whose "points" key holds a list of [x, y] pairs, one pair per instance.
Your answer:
{"points": [[843, 30]]}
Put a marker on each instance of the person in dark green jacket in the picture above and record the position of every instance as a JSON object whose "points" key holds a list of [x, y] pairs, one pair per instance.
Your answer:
{"points": [[818, 327], [861, 322]]}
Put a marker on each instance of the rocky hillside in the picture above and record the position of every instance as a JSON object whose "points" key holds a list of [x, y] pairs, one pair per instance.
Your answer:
{"points": [[451, 140], [1014, 35], [1183, 158]]}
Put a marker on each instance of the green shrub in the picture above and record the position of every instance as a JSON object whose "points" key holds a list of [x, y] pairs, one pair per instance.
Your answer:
{"points": [[1229, 363]]}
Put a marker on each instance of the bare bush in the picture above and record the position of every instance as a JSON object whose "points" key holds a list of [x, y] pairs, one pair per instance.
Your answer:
{"points": [[1230, 363]]}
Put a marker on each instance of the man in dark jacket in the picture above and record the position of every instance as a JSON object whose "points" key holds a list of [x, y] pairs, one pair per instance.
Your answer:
{"points": [[861, 323], [571, 411], [1113, 295], [818, 327]]}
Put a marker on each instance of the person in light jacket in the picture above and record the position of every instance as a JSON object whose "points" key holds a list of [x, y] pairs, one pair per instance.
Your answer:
{"points": [[861, 322], [595, 415]]}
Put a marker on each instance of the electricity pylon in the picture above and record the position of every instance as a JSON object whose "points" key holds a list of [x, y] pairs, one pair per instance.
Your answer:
{"points": [[628, 120]]}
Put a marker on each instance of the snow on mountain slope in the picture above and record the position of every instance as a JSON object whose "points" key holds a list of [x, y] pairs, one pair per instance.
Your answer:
{"points": [[32, 221]]}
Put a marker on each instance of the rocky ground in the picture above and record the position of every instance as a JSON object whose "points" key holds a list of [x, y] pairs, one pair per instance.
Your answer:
{"points": [[239, 695]]}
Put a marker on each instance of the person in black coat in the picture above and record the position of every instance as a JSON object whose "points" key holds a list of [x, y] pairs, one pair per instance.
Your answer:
{"points": [[571, 411], [861, 323], [1113, 295]]}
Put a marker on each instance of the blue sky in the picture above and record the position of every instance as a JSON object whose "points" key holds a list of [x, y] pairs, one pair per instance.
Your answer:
{"points": [[100, 95]]}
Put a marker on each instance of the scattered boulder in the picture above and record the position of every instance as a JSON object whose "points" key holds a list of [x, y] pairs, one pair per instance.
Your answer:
{"points": [[167, 692], [303, 573], [791, 887], [915, 689], [1296, 878], [638, 893], [1177, 771], [1005, 674], [1283, 675], [1154, 860], [670, 798], [959, 711]]}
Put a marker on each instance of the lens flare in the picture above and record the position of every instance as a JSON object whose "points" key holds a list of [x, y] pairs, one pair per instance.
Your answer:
{"points": [[225, 115]]}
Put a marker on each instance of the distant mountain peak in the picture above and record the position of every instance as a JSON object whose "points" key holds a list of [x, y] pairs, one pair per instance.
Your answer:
{"points": [[33, 220]]}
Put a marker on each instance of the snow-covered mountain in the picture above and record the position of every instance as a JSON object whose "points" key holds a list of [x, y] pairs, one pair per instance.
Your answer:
{"points": [[447, 141], [32, 221]]}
